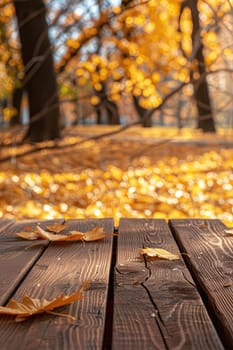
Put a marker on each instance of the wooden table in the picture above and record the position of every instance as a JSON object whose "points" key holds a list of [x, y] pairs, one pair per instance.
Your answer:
{"points": [[131, 303]]}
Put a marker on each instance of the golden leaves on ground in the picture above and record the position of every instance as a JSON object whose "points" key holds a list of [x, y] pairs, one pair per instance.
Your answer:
{"points": [[158, 253], [129, 175], [94, 234], [29, 306]]}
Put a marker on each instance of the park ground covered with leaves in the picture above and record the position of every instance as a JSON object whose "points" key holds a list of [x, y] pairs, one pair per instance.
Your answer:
{"points": [[151, 173]]}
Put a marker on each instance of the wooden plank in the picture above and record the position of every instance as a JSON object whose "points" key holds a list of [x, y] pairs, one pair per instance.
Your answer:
{"points": [[156, 303], [16, 257], [62, 269], [9, 227], [210, 258], [4, 224]]}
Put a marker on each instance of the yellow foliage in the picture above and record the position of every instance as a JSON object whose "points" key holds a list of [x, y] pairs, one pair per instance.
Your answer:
{"points": [[8, 113], [98, 87], [94, 100]]}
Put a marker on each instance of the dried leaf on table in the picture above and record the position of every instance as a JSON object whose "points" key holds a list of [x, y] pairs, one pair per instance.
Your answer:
{"points": [[94, 234], [56, 237], [40, 233], [29, 306], [230, 231], [31, 236], [57, 228], [227, 284], [159, 253]]}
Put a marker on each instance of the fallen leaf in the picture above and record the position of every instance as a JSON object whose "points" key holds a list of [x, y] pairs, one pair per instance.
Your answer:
{"points": [[51, 236], [56, 227], [227, 284], [31, 236], [159, 253], [29, 306], [94, 234], [230, 231]]}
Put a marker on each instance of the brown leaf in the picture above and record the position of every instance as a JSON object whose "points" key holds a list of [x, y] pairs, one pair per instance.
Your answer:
{"points": [[227, 284], [49, 236], [31, 236], [94, 234], [56, 227], [159, 253], [29, 306], [230, 231]]}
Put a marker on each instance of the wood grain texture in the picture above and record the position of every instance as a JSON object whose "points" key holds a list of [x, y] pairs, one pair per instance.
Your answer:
{"points": [[62, 269], [16, 258], [4, 224], [156, 305], [210, 258]]}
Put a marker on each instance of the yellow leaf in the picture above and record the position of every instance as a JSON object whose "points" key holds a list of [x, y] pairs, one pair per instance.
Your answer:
{"points": [[95, 100], [29, 306], [159, 253]]}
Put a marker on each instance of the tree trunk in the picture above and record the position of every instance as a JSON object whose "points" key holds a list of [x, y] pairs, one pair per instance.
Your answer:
{"points": [[201, 90], [112, 112], [40, 80], [111, 108], [17, 97], [143, 113], [98, 113]]}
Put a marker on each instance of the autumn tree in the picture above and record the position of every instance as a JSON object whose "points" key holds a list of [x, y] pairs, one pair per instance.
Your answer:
{"points": [[133, 51], [39, 80]]}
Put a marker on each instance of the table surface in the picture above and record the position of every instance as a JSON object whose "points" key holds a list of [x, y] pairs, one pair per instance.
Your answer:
{"points": [[132, 302]]}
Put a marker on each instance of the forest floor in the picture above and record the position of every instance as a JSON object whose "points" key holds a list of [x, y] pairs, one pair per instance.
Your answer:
{"points": [[152, 173]]}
